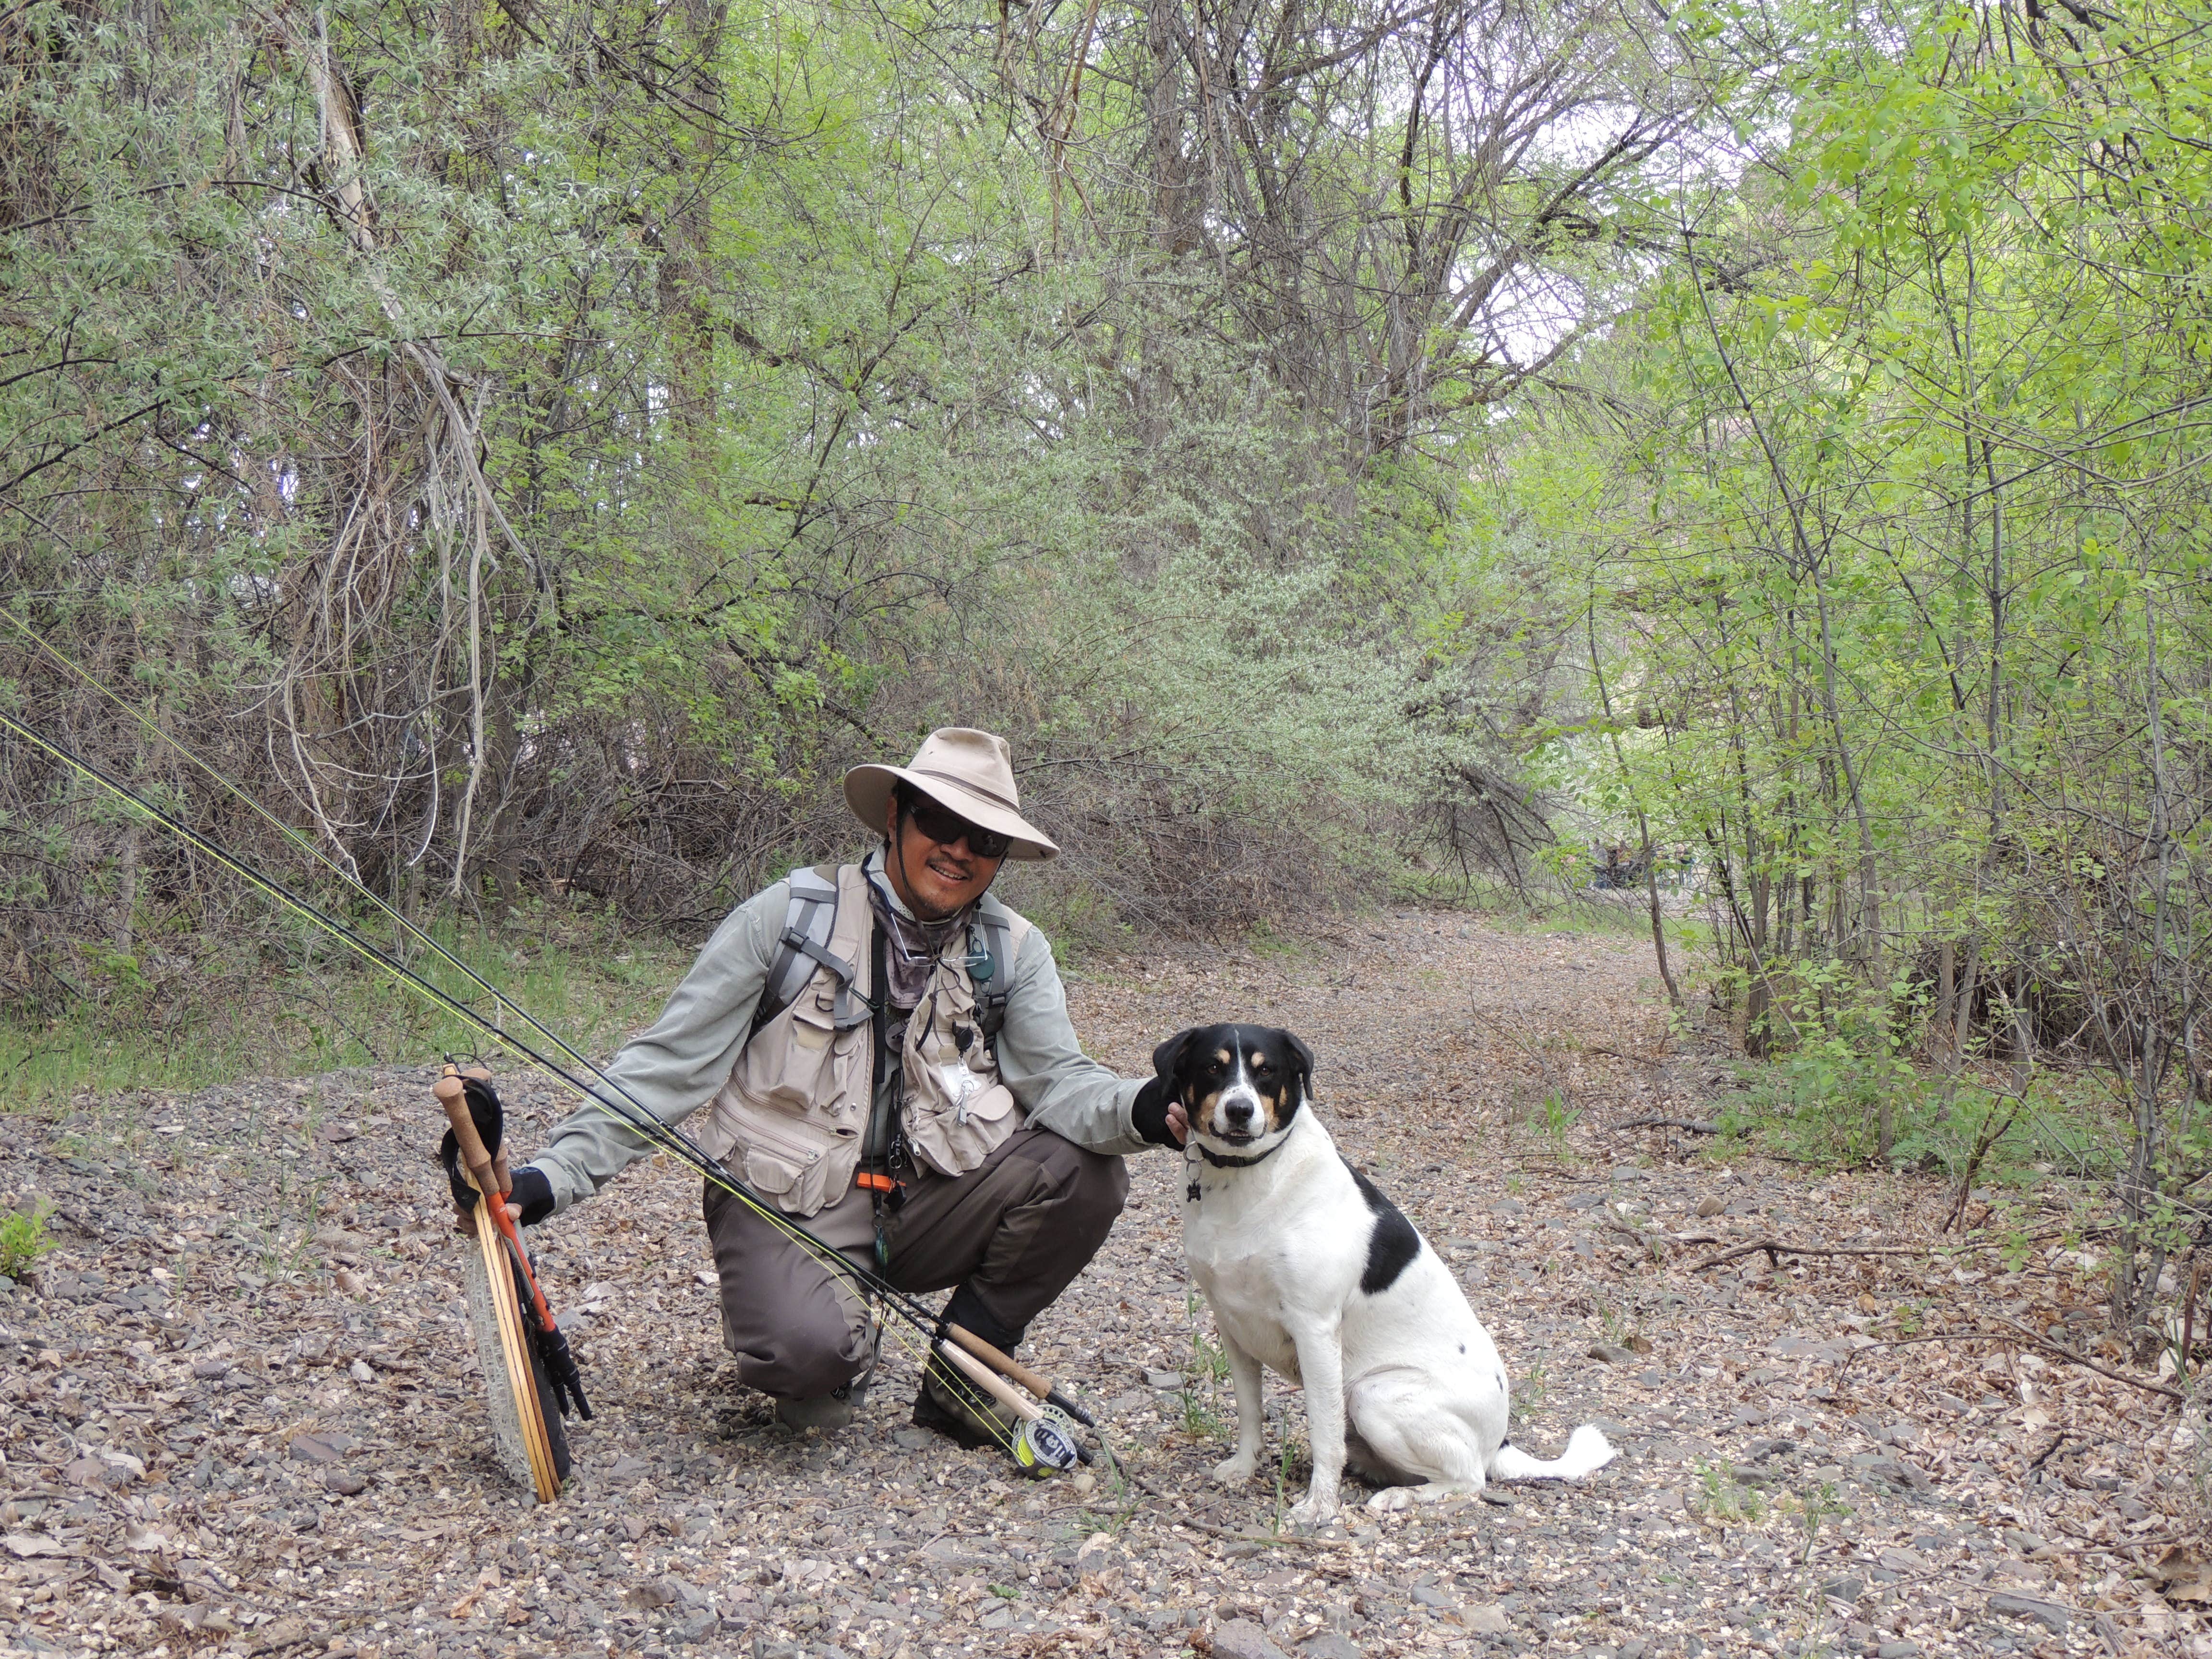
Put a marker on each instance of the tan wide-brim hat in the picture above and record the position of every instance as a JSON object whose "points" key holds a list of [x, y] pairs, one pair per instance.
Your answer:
{"points": [[963, 770]]}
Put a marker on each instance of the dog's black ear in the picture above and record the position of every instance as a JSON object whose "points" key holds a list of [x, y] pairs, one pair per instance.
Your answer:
{"points": [[1305, 1062], [1167, 1059]]}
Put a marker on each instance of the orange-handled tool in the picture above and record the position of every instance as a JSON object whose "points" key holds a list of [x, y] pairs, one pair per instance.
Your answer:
{"points": [[489, 1176]]}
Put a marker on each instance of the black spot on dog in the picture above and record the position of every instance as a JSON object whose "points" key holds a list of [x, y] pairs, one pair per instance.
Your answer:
{"points": [[1392, 1246], [1462, 1347]]}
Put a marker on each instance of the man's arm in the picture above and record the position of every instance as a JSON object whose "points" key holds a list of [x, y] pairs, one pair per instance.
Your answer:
{"points": [[672, 1069], [1060, 1087]]}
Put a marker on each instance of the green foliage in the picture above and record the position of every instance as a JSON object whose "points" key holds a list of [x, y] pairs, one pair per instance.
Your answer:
{"points": [[308, 1010], [537, 456], [1718, 1499], [1552, 1119], [23, 1239]]}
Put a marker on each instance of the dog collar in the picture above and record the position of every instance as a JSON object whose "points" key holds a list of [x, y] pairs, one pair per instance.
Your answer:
{"points": [[1243, 1163], [1191, 1191]]}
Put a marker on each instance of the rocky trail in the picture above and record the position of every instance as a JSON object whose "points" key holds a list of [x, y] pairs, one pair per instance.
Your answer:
{"points": [[238, 1414]]}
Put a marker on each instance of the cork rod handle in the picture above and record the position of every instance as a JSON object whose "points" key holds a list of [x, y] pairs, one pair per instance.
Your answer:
{"points": [[489, 1177]]}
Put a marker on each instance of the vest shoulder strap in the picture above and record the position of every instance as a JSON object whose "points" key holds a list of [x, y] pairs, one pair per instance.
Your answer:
{"points": [[1002, 938], [804, 944]]}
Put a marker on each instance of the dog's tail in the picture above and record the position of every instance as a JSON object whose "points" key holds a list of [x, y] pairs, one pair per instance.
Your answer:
{"points": [[1587, 1449]]}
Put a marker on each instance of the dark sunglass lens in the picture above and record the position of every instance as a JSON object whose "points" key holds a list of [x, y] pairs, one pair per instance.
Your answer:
{"points": [[944, 826]]}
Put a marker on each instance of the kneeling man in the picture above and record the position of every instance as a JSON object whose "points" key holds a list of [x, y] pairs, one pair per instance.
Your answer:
{"points": [[885, 1053]]}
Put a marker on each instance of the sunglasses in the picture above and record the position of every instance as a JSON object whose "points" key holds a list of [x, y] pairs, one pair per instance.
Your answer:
{"points": [[945, 827]]}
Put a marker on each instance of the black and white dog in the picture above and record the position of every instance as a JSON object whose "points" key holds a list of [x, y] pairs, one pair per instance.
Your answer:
{"points": [[1310, 1270]]}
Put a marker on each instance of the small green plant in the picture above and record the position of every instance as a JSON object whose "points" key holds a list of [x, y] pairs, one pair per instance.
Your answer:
{"points": [[23, 1239], [1005, 1592], [1552, 1119], [1718, 1498], [1614, 1322], [1815, 1505], [2008, 1223], [1202, 1414], [1529, 1394]]}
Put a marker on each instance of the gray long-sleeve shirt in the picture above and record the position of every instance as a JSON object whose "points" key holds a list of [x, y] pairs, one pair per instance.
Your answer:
{"points": [[683, 1059]]}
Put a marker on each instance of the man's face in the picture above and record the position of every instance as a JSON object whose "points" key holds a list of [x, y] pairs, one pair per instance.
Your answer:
{"points": [[933, 878]]}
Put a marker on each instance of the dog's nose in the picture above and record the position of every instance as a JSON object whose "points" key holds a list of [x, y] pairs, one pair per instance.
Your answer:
{"points": [[1238, 1111]]}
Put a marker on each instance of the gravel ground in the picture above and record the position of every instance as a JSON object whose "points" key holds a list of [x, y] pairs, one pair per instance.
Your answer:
{"points": [[240, 1415]]}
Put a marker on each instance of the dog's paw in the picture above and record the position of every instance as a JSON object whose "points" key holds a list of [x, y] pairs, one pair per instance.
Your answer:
{"points": [[1313, 1511], [1233, 1471], [1391, 1499]]}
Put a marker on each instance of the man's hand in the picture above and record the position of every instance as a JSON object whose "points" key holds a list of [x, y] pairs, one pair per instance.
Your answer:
{"points": [[529, 1200], [1158, 1115]]}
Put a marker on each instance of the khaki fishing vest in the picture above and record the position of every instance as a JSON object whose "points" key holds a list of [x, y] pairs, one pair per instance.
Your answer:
{"points": [[791, 1118]]}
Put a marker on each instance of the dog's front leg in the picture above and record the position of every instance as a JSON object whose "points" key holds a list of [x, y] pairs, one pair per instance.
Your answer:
{"points": [[1321, 1359], [1251, 1414]]}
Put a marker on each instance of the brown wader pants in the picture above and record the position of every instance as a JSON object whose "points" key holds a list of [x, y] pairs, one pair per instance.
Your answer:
{"points": [[1011, 1232]]}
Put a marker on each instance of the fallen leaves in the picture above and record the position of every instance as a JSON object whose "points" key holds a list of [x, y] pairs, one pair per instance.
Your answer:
{"points": [[2182, 1574]]}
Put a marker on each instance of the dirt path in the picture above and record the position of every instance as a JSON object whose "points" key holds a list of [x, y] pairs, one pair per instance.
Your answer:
{"points": [[238, 1417]]}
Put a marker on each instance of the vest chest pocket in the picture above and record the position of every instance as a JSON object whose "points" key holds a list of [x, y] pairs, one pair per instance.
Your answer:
{"points": [[957, 1111], [800, 1062]]}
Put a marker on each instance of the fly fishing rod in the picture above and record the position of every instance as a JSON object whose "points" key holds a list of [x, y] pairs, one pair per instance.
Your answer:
{"points": [[639, 1117], [941, 1336]]}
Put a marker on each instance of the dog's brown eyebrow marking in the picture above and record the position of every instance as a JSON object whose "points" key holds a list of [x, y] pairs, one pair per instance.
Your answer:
{"points": [[1255, 1058], [1224, 1055]]}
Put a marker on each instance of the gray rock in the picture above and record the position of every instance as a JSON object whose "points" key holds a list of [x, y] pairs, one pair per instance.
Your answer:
{"points": [[1329, 1645], [1897, 1651], [1611, 1355], [1429, 1596], [699, 1625], [320, 1448], [344, 1482], [1240, 1638], [1844, 1589], [1155, 1379], [1488, 1620], [2048, 1614], [957, 1553]]}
